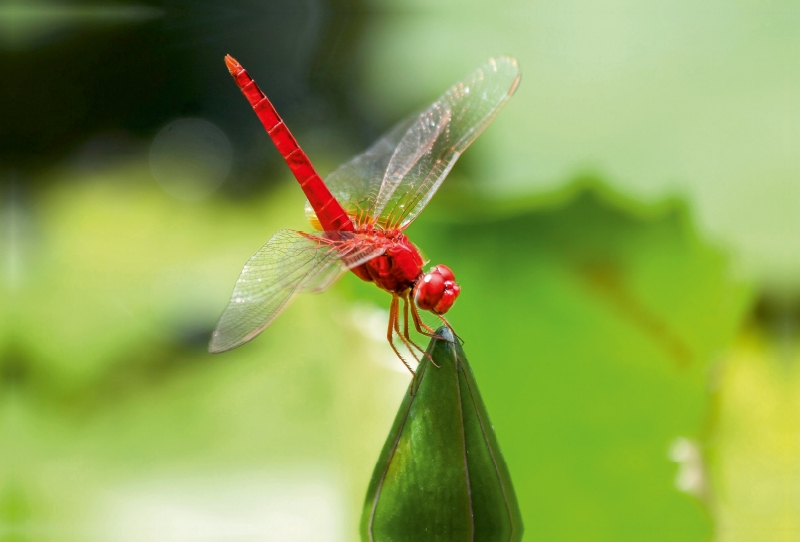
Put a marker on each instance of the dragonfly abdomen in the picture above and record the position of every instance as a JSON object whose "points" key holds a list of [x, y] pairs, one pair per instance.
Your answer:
{"points": [[330, 213]]}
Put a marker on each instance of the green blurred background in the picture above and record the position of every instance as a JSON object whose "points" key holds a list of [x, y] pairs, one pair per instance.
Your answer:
{"points": [[625, 235]]}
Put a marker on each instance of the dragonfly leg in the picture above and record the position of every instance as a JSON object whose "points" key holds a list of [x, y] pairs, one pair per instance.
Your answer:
{"points": [[405, 331], [404, 337], [393, 310], [419, 324], [445, 322]]}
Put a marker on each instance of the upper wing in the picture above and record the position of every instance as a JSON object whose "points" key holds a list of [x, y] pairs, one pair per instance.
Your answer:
{"points": [[413, 174], [394, 179], [356, 183], [291, 262]]}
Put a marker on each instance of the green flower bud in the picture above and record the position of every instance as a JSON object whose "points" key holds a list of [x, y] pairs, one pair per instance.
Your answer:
{"points": [[441, 476]]}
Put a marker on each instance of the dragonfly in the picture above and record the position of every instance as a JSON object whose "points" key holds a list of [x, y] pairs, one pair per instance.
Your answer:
{"points": [[360, 212]]}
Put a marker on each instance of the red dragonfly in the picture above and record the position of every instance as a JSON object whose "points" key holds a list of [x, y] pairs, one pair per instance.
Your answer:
{"points": [[361, 210]]}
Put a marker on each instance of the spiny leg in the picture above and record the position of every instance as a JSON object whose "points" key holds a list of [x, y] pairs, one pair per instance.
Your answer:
{"points": [[393, 310], [419, 324], [405, 319], [405, 331], [404, 339]]}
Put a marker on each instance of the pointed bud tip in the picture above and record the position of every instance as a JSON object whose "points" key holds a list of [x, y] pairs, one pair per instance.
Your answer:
{"points": [[446, 333]]}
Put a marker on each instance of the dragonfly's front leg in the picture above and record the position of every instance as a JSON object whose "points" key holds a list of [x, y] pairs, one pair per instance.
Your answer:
{"points": [[405, 331], [419, 324], [445, 322]]}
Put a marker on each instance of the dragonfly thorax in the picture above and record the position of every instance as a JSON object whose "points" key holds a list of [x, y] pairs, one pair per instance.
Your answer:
{"points": [[398, 268]]}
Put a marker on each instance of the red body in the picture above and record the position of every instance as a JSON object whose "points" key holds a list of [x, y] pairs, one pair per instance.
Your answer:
{"points": [[400, 267], [377, 195]]}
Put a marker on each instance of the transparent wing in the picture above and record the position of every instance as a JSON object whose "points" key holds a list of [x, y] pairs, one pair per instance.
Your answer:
{"points": [[356, 183], [291, 262], [412, 153], [394, 179], [431, 146]]}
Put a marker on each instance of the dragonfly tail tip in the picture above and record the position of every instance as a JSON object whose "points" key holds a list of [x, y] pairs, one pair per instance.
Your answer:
{"points": [[231, 63]]}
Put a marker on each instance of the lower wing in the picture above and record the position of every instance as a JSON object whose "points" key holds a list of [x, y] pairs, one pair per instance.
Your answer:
{"points": [[291, 262]]}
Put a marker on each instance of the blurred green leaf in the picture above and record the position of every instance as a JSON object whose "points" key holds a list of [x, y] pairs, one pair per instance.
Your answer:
{"points": [[591, 322], [108, 391], [693, 99], [110, 268]]}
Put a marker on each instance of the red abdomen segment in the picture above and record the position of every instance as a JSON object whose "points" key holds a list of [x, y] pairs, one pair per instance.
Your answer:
{"points": [[330, 213]]}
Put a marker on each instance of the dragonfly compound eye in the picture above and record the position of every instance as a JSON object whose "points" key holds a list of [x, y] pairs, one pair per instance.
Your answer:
{"points": [[451, 291], [437, 291], [429, 291], [445, 272]]}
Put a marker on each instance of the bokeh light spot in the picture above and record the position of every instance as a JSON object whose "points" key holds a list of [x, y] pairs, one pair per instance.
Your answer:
{"points": [[190, 158]]}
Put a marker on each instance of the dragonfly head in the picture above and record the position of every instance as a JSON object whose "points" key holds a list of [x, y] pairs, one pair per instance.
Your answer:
{"points": [[436, 290]]}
